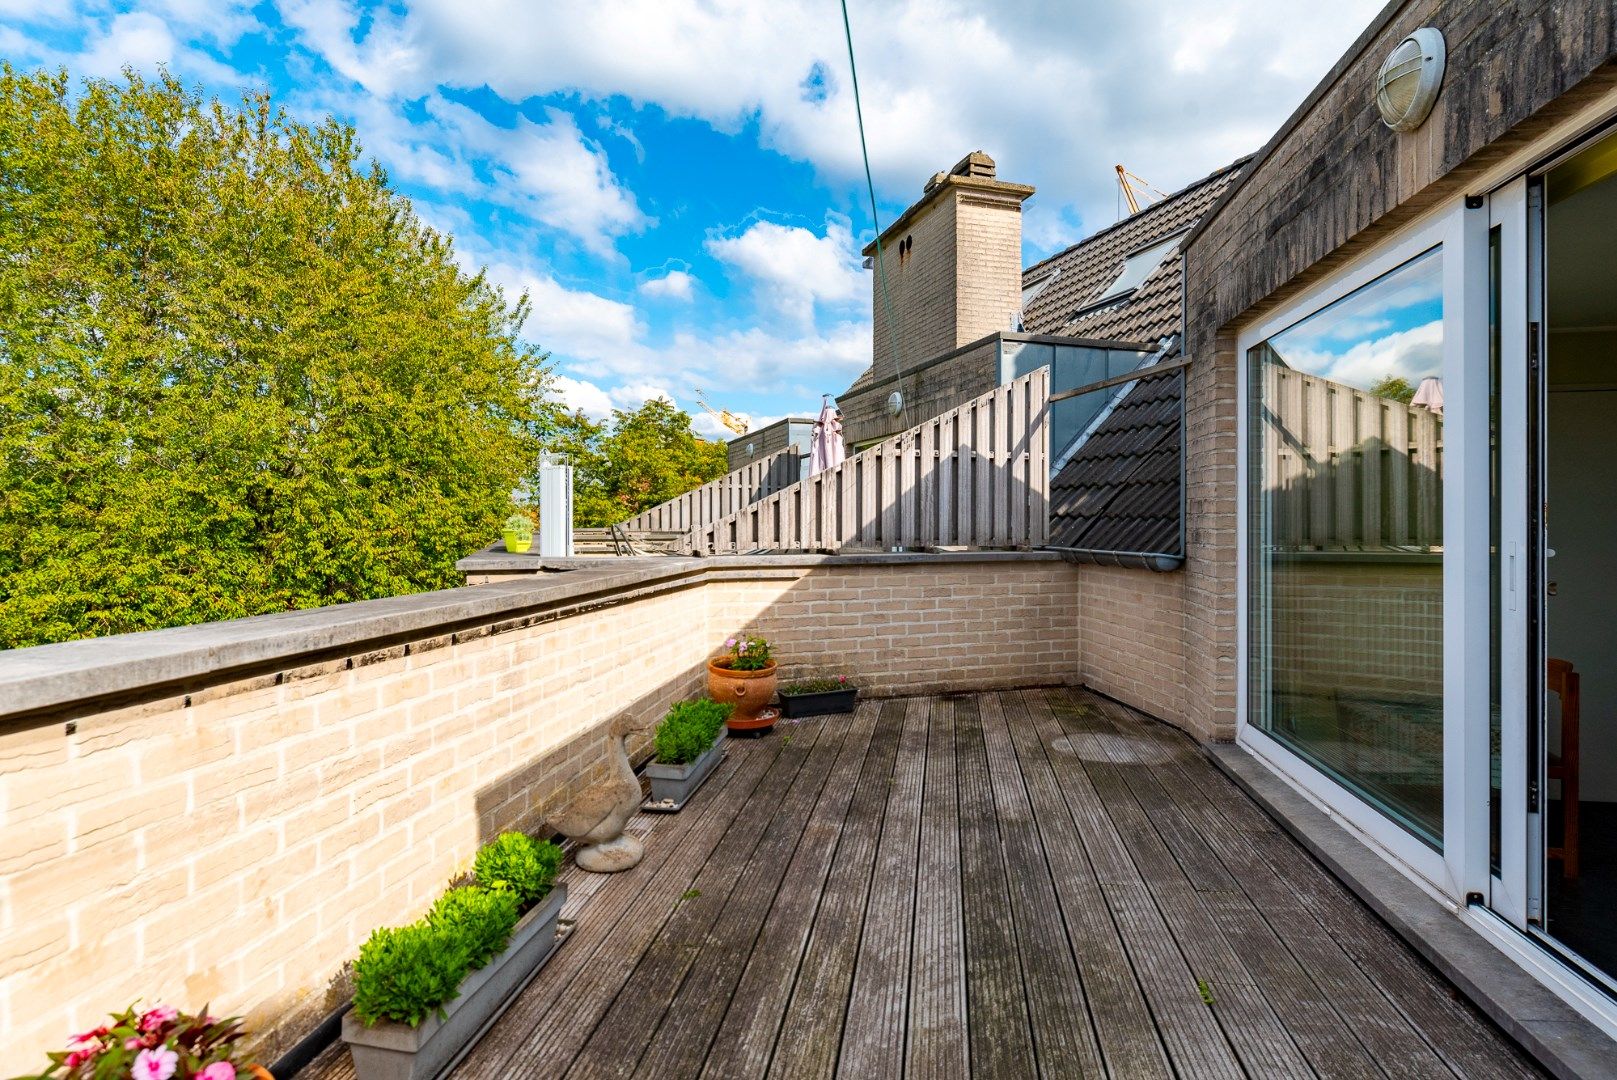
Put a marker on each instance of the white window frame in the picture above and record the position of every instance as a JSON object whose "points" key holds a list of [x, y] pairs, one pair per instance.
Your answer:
{"points": [[1453, 872]]}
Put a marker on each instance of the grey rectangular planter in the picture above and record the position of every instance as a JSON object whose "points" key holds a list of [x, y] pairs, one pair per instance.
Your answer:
{"points": [[794, 706], [671, 785], [391, 1051]]}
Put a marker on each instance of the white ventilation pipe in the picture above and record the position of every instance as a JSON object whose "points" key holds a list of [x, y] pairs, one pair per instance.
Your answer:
{"points": [[555, 507]]}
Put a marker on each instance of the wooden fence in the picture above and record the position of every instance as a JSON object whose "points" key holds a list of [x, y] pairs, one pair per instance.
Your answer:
{"points": [[976, 476], [1346, 470], [719, 498]]}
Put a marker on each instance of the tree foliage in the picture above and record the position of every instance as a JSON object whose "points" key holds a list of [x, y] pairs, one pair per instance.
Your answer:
{"points": [[1393, 387], [635, 460], [237, 373]]}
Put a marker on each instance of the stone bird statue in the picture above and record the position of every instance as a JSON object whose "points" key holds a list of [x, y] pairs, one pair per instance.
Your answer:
{"points": [[596, 818]]}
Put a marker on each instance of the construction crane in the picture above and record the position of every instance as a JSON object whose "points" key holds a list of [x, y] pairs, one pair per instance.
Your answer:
{"points": [[1129, 193], [729, 419]]}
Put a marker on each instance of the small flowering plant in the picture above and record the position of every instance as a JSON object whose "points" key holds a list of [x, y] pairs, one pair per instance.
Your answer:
{"points": [[160, 1043], [746, 653]]}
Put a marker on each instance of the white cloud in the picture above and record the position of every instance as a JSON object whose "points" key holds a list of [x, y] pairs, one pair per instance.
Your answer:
{"points": [[1409, 354], [1055, 92], [793, 267], [144, 41], [548, 171], [581, 395], [674, 285]]}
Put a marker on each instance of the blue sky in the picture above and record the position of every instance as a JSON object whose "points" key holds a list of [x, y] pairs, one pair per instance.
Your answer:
{"points": [[677, 183]]}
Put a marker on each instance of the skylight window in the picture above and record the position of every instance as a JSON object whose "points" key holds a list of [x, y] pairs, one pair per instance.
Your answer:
{"points": [[1138, 267]]}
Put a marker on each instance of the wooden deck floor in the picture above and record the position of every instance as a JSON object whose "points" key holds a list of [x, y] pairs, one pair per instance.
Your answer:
{"points": [[1020, 884]]}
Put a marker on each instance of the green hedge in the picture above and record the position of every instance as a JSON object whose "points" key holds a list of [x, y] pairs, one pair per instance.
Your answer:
{"points": [[688, 730], [408, 973]]}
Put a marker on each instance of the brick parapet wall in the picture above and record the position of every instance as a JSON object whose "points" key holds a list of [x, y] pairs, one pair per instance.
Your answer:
{"points": [[233, 840]]}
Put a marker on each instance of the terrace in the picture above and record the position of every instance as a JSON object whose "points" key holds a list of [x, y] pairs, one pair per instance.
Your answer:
{"points": [[1015, 883], [986, 869]]}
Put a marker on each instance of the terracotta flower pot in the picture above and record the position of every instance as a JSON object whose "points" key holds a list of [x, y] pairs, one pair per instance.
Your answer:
{"points": [[748, 691]]}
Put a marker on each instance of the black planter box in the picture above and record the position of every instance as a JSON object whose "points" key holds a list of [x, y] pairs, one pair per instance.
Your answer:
{"points": [[793, 706]]}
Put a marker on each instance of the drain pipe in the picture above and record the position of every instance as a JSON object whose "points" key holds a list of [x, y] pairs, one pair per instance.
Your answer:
{"points": [[1156, 561]]}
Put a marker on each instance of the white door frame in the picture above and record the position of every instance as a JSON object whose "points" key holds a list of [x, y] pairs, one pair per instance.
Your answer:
{"points": [[1452, 873]]}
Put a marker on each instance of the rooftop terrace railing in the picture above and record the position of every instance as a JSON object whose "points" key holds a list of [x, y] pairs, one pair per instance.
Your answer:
{"points": [[719, 498], [975, 476]]}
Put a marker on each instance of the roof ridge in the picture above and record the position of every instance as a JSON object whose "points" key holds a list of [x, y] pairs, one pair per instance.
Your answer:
{"points": [[1166, 200]]}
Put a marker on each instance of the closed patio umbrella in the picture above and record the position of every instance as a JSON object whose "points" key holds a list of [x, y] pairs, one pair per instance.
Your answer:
{"points": [[825, 445]]}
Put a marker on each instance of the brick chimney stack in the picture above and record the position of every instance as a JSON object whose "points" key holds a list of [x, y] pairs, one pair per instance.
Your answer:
{"points": [[953, 262]]}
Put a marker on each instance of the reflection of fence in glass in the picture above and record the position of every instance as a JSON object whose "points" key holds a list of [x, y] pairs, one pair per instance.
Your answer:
{"points": [[1344, 469]]}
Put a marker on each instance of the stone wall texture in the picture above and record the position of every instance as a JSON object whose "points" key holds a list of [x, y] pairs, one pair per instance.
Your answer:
{"points": [[235, 843]]}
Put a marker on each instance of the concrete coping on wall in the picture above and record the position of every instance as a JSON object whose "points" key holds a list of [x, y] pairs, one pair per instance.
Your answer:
{"points": [[45, 678]]}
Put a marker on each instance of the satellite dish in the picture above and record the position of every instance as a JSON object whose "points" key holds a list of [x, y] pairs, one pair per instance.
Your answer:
{"points": [[1407, 84]]}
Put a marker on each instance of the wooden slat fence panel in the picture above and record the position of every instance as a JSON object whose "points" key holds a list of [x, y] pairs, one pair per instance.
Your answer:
{"points": [[729, 494], [1346, 470], [977, 475]]}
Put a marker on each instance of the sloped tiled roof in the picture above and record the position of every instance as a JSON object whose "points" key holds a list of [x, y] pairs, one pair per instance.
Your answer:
{"points": [[1120, 491], [1151, 312]]}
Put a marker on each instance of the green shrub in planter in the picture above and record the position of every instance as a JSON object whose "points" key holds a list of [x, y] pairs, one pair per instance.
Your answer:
{"points": [[408, 973], [517, 862], [481, 918], [688, 730]]}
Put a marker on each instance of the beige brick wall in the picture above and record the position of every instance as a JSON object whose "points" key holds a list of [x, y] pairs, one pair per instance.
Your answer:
{"points": [[918, 314], [1132, 639], [234, 846]]}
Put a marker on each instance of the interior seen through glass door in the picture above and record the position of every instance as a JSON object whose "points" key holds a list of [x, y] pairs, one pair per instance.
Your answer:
{"points": [[1578, 766]]}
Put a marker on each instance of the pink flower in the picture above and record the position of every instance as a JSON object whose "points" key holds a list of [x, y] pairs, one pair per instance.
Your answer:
{"points": [[153, 1019], [729, 643], [155, 1064], [133, 1043], [89, 1036], [77, 1058], [219, 1070]]}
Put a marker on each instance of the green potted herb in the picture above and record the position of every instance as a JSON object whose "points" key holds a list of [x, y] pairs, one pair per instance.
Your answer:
{"points": [[517, 533], [424, 992], [744, 677], [689, 743], [818, 697]]}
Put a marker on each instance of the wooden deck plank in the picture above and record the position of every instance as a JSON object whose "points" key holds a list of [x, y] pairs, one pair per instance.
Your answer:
{"points": [[552, 1016], [1005, 884], [878, 1002], [1000, 1028], [1380, 1027], [1194, 1040], [938, 1047], [814, 1016], [631, 1002], [1122, 1020], [746, 1039], [1064, 1043], [681, 1042]]}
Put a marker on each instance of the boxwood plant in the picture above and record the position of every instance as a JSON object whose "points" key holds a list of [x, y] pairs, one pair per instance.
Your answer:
{"points": [[688, 730], [408, 973]]}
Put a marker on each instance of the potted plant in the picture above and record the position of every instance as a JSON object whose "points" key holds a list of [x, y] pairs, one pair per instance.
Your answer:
{"points": [[517, 532], [689, 743], [818, 697], [156, 1044], [424, 992], [745, 678]]}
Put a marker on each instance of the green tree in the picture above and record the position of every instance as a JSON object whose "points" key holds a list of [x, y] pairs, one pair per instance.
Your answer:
{"points": [[1395, 387], [237, 373], [635, 460]]}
